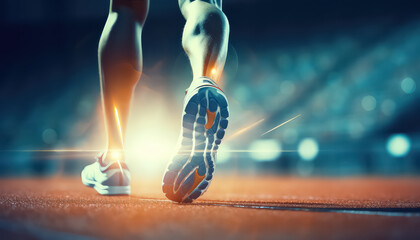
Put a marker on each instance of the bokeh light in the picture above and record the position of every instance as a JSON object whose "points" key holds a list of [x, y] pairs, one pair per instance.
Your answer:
{"points": [[308, 149], [388, 107], [398, 145], [265, 150], [223, 154], [408, 85], [368, 103], [49, 136]]}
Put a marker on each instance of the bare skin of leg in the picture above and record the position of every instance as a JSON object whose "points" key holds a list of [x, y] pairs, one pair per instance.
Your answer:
{"points": [[205, 37], [204, 118], [120, 68]]}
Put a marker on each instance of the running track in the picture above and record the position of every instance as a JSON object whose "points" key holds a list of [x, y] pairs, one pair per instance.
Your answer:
{"points": [[252, 207]]}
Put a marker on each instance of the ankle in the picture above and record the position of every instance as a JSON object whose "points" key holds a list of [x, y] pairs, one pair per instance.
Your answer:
{"points": [[112, 156], [201, 80]]}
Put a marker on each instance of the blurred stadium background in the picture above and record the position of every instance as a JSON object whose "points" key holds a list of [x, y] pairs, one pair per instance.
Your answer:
{"points": [[350, 68]]}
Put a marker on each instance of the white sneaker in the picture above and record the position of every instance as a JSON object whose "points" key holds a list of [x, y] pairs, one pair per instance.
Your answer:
{"points": [[111, 179]]}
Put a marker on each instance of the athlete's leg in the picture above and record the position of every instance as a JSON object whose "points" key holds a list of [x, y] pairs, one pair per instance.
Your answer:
{"points": [[205, 114], [205, 37], [120, 67]]}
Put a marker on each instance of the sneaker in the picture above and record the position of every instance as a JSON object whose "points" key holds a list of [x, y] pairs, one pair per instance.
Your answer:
{"points": [[204, 122], [111, 179]]}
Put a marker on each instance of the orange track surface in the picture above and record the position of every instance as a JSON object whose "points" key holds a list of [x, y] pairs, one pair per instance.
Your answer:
{"points": [[307, 208]]}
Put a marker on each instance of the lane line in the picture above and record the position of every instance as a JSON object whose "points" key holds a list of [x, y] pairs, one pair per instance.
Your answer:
{"points": [[390, 212]]}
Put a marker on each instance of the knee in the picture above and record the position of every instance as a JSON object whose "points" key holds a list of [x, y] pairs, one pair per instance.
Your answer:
{"points": [[214, 23], [209, 20], [204, 21], [133, 9]]}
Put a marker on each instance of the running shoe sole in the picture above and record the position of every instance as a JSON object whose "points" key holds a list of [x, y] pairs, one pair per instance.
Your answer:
{"points": [[108, 190], [203, 127]]}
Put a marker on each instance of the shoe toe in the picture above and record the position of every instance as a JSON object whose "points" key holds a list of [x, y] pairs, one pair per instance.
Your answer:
{"points": [[88, 175]]}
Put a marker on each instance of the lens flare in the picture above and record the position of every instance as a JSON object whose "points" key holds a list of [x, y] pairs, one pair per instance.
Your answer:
{"points": [[56, 150], [122, 140], [245, 129], [119, 124], [115, 155], [293, 118]]}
